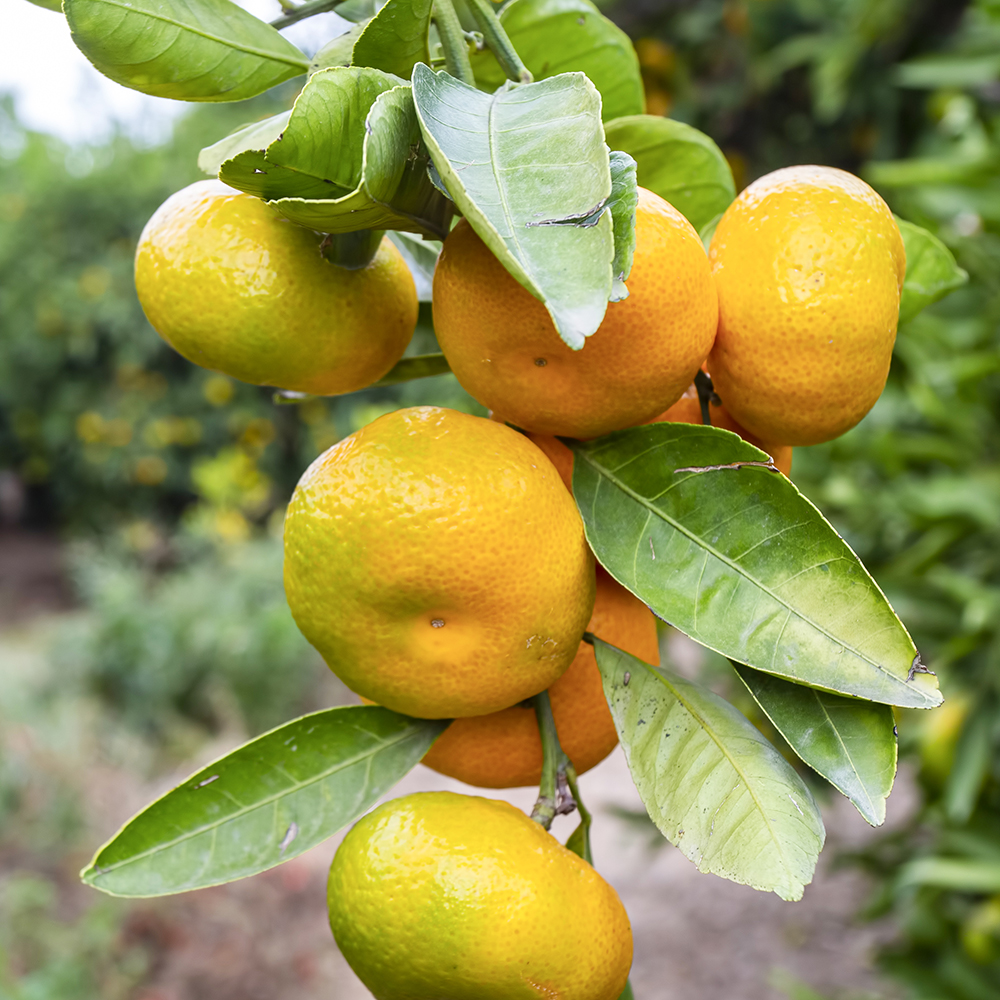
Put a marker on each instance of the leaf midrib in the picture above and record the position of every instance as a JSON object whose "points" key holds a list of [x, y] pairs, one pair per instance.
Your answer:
{"points": [[302, 63], [661, 676], [732, 565], [409, 733]]}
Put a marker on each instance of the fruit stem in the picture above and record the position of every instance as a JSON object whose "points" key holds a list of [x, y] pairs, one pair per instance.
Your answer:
{"points": [[498, 41], [554, 795], [303, 11], [456, 48], [706, 395], [419, 366], [352, 251]]}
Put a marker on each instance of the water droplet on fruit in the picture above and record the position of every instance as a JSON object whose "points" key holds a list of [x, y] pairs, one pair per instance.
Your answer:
{"points": [[437, 623]]}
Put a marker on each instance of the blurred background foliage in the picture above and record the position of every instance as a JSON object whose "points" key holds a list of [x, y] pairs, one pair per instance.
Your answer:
{"points": [[171, 480]]}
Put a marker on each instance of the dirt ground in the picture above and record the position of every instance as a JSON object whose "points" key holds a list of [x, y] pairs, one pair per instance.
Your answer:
{"points": [[696, 936]]}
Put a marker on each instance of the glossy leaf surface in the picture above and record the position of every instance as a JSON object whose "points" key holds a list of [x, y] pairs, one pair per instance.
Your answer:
{"points": [[849, 742], [739, 560], [188, 50], [931, 270], [677, 162], [267, 802], [347, 159], [709, 780], [528, 168], [395, 40], [564, 36]]}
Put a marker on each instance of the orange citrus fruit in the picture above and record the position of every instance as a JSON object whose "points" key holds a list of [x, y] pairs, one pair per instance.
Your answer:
{"points": [[503, 750], [505, 351], [233, 287], [437, 896], [687, 410], [438, 564], [809, 265]]}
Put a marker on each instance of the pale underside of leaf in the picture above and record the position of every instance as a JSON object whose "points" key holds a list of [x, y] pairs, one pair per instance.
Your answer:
{"points": [[529, 170], [710, 782]]}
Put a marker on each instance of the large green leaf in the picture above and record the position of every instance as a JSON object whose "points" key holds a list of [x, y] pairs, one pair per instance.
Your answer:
{"points": [[738, 559], [189, 50], [849, 742], [255, 136], [395, 40], [677, 162], [709, 780], [348, 159], [931, 270], [267, 802], [529, 170], [563, 36]]}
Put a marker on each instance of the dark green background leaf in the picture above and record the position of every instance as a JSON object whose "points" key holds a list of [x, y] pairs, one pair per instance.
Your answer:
{"points": [[395, 40], [267, 802], [931, 270], [741, 561], [563, 36], [188, 50], [709, 780], [677, 162], [526, 167], [849, 742]]}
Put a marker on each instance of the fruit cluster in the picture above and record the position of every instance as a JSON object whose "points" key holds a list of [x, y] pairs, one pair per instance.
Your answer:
{"points": [[438, 561]]}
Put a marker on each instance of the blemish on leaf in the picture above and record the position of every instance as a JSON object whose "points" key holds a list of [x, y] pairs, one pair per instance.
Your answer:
{"points": [[651, 549], [627, 678], [290, 834], [207, 781]]}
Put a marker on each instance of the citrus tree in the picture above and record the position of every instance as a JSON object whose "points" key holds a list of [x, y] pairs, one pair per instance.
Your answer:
{"points": [[438, 560]]}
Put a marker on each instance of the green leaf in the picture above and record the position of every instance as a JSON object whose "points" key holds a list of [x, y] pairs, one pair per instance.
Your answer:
{"points": [[189, 50], [395, 40], [338, 51], [739, 560], [563, 36], [709, 780], [421, 258], [624, 198], [931, 270], [255, 136], [348, 159], [849, 742], [677, 162], [957, 874], [265, 803], [528, 168]]}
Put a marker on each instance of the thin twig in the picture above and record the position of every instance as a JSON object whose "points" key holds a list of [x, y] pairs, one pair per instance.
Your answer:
{"points": [[498, 42], [303, 11], [456, 48]]}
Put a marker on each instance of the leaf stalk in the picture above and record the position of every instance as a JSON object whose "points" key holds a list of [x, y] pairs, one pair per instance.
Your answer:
{"points": [[498, 41], [302, 11], [456, 48]]}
